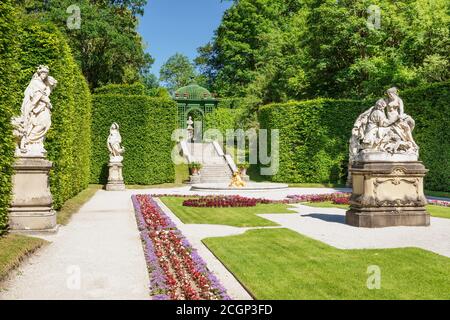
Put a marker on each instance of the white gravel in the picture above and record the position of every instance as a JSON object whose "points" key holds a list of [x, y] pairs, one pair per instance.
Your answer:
{"points": [[328, 225], [101, 243]]}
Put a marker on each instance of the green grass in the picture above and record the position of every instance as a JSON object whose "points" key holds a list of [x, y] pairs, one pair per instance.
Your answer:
{"points": [[181, 173], [74, 204], [326, 204], [237, 217], [439, 211], [282, 264], [13, 249], [434, 211]]}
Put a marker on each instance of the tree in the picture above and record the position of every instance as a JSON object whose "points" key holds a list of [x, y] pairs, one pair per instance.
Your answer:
{"points": [[177, 72], [105, 41], [276, 50]]}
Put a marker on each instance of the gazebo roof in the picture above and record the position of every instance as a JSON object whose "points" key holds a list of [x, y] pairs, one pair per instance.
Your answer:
{"points": [[193, 92]]}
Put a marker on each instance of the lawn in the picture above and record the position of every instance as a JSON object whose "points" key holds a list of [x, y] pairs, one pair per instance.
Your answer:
{"points": [[237, 217], [282, 264], [434, 211], [13, 249]]}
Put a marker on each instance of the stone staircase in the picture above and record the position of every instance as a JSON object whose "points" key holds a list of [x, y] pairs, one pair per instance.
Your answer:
{"points": [[215, 167]]}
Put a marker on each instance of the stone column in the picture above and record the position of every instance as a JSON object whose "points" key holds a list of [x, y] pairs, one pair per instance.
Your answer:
{"points": [[387, 193], [31, 207], [115, 179]]}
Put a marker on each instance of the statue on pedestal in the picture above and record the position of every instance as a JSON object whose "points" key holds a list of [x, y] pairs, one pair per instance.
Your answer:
{"points": [[190, 129], [114, 141], [31, 206], [384, 170]]}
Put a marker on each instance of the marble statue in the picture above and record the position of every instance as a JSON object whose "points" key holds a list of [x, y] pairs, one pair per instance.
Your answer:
{"points": [[384, 171], [190, 129], [31, 127], [114, 144], [384, 132]]}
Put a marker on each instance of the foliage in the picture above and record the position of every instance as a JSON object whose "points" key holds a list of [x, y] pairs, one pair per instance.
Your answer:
{"points": [[122, 89], [26, 43], [314, 135], [177, 72], [276, 50], [195, 165], [137, 88], [146, 125], [68, 141], [107, 44], [9, 68]]}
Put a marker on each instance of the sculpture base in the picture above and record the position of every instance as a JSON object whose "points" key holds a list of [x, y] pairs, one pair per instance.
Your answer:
{"points": [[31, 207], [115, 179], [195, 178], [387, 194], [387, 218]]}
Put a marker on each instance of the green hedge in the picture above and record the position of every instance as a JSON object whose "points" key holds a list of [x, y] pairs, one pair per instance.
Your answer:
{"points": [[69, 139], [9, 68], [27, 42], [314, 135], [124, 89], [146, 126], [430, 108]]}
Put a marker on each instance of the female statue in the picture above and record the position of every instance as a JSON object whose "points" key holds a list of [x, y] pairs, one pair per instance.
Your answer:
{"points": [[114, 141], [35, 120]]}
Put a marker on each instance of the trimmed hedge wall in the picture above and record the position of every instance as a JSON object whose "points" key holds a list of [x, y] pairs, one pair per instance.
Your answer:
{"points": [[9, 68], [124, 89], [27, 42], [146, 126], [314, 135], [69, 139]]}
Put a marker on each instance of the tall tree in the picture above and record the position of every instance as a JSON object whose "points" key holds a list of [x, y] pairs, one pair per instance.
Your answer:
{"points": [[178, 71], [102, 34], [276, 50]]}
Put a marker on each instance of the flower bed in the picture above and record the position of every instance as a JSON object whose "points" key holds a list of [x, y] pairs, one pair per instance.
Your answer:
{"points": [[441, 203], [322, 197], [176, 271], [344, 200]]}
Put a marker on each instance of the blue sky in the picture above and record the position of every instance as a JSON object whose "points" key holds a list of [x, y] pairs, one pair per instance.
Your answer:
{"points": [[171, 26]]}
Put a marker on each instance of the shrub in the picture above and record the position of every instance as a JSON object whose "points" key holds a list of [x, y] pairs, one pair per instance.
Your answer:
{"points": [[68, 141], [313, 138], [27, 42], [314, 135], [123, 89], [146, 125], [9, 69]]}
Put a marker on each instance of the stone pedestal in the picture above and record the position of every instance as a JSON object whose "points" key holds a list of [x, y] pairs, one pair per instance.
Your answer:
{"points": [[115, 179], [31, 207], [386, 194], [195, 178]]}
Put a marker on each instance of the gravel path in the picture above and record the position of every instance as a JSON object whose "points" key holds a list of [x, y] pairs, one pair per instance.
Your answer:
{"points": [[99, 255], [101, 244], [328, 225]]}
